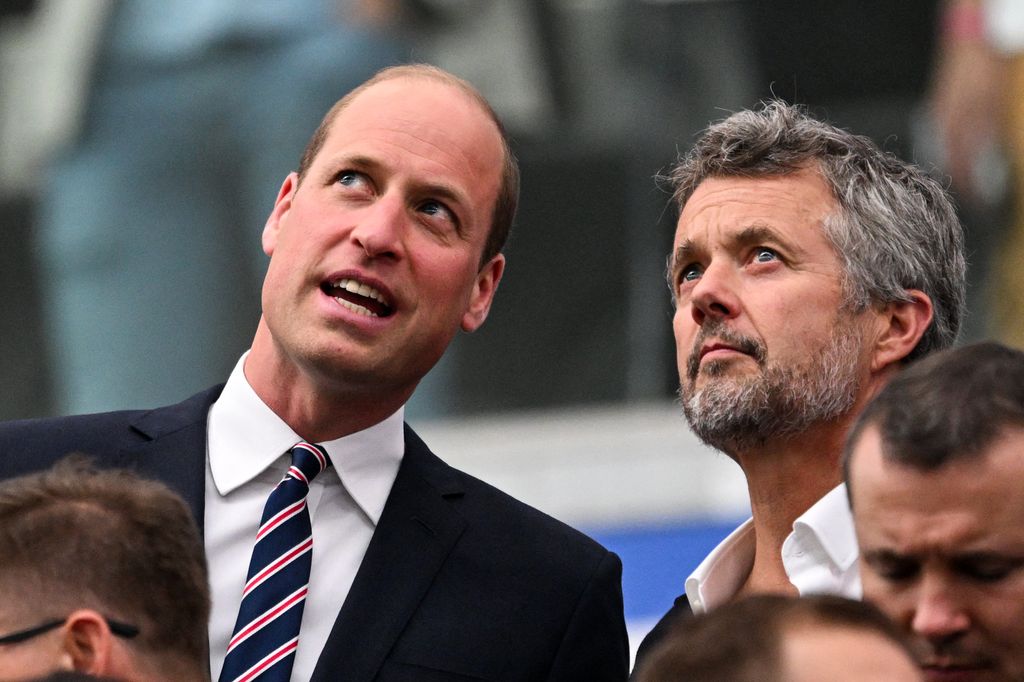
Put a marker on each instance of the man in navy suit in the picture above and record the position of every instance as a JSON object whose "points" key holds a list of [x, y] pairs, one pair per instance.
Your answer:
{"points": [[383, 244]]}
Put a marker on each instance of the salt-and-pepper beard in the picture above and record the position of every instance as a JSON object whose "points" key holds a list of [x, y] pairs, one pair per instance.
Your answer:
{"points": [[734, 413]]}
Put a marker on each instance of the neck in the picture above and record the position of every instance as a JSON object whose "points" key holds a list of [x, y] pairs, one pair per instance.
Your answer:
{"points": [[785, 478], [316, 405]]}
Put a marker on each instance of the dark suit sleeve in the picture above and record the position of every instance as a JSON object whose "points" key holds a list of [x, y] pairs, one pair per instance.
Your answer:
{"points": [[595, 646], [679, 612]]}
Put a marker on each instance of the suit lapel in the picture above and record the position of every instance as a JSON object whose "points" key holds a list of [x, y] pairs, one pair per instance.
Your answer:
{"points": [[175, 449], [416, 532]]}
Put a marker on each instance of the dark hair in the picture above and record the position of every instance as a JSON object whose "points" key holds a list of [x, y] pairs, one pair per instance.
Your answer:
{"points": [[895, 228], [75, 537], [949, 406], [508, 190], [742, 641]]}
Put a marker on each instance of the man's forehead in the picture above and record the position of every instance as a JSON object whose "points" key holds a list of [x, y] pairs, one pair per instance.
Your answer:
{"points": [[427, 116], [728, 204], [413, 97], [961, 509]]}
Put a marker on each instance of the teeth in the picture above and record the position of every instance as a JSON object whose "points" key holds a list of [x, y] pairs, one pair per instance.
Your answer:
{"points": [[361, 289], [356, 308]]}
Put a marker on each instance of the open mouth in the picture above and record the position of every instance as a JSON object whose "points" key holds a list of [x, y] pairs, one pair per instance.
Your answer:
{"points": [[357, 297]]}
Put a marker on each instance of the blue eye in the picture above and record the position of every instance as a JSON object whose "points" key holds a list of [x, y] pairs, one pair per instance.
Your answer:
{"points": [[436, 208], [690, 273], [765, 255], [349, 178]]}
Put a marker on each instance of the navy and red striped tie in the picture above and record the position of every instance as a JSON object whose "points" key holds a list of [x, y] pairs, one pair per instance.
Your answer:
{"points": [[266, 634]]}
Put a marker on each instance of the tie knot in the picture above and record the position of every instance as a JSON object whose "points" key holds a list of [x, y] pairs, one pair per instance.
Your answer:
{"points": [[308, 460]]}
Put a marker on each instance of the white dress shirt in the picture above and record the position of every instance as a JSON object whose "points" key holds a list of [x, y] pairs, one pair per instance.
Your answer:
{"points": [[247, 446], [819, 556]]}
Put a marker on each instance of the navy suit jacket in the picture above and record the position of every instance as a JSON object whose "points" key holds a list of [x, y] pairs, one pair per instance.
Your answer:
{"points": [[460, 581], [679, 612]]}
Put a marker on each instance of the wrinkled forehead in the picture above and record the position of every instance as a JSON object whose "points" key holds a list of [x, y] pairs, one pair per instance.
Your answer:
{"points": [[794, 201]]}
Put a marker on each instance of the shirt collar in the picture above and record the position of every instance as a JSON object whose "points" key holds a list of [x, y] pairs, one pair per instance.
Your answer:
{"points": [[720, 576], [828, 523], [246, 437]]}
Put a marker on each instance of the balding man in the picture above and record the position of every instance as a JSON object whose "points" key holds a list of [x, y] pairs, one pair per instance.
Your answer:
{"points": [[372, 560]]}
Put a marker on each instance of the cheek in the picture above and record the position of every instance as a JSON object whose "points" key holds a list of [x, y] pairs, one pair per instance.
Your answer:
{"points": [[896, 601], [22, 662], [1003, 611], [683, 327]]}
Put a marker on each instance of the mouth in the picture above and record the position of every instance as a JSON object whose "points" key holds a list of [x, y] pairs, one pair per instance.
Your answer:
{"points": [[952, 671], [718, 346], [359, 297], [716, 339]]}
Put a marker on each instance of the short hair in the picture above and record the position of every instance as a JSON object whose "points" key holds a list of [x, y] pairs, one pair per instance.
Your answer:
{"points": [[895, 228], [742, 641], [75, 537], [508, 190], [949, 406]]}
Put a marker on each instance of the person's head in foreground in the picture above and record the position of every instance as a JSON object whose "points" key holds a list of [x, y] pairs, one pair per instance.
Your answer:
{"points": [[935, 469], [771, 638], [101, 573]]}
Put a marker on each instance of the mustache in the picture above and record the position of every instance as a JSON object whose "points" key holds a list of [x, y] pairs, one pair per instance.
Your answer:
{"points": [[951, 653], [715, 328]]}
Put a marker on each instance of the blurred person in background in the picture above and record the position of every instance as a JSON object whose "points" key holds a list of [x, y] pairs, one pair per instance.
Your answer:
{"points": [[772, 638], [808, 266], [976, 105], [183, 120], [935, 473], [102, 573]]}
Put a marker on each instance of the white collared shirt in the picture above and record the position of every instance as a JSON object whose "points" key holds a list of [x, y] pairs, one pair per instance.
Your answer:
{"points": [[247, 446], [819, 556]]}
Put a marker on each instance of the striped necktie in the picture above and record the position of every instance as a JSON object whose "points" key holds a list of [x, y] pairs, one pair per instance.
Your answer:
{"points": [[266, 632]]}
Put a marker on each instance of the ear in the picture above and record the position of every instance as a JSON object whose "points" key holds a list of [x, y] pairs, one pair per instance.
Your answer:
{"points": [[483, 293], [282, 205], [88, 642], [903, 323]]}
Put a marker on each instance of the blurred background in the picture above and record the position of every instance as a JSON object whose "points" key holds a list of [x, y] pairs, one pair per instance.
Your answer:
{"points": [[142, 144]]}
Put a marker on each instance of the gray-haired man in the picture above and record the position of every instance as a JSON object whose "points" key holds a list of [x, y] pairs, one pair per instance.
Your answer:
{"points": [[807, 267]]}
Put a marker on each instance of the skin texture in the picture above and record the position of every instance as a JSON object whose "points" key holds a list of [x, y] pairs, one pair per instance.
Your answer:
{"points": [[942, 552], [840, 654], [750, 252], [751, 259], [34, 657], [84, 643], [400, 198]]}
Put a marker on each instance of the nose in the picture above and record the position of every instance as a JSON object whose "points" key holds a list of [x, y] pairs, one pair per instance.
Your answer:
{"points": [[938, 613], [380, 228], [714, 294]]}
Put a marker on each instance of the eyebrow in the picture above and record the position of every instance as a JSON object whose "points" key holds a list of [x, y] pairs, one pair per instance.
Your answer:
{"points": [[758, 233], [886, 554], [433, 189]]}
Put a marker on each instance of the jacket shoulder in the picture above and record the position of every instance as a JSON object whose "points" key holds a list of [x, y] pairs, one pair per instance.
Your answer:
{"points": [[32, 444]]}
